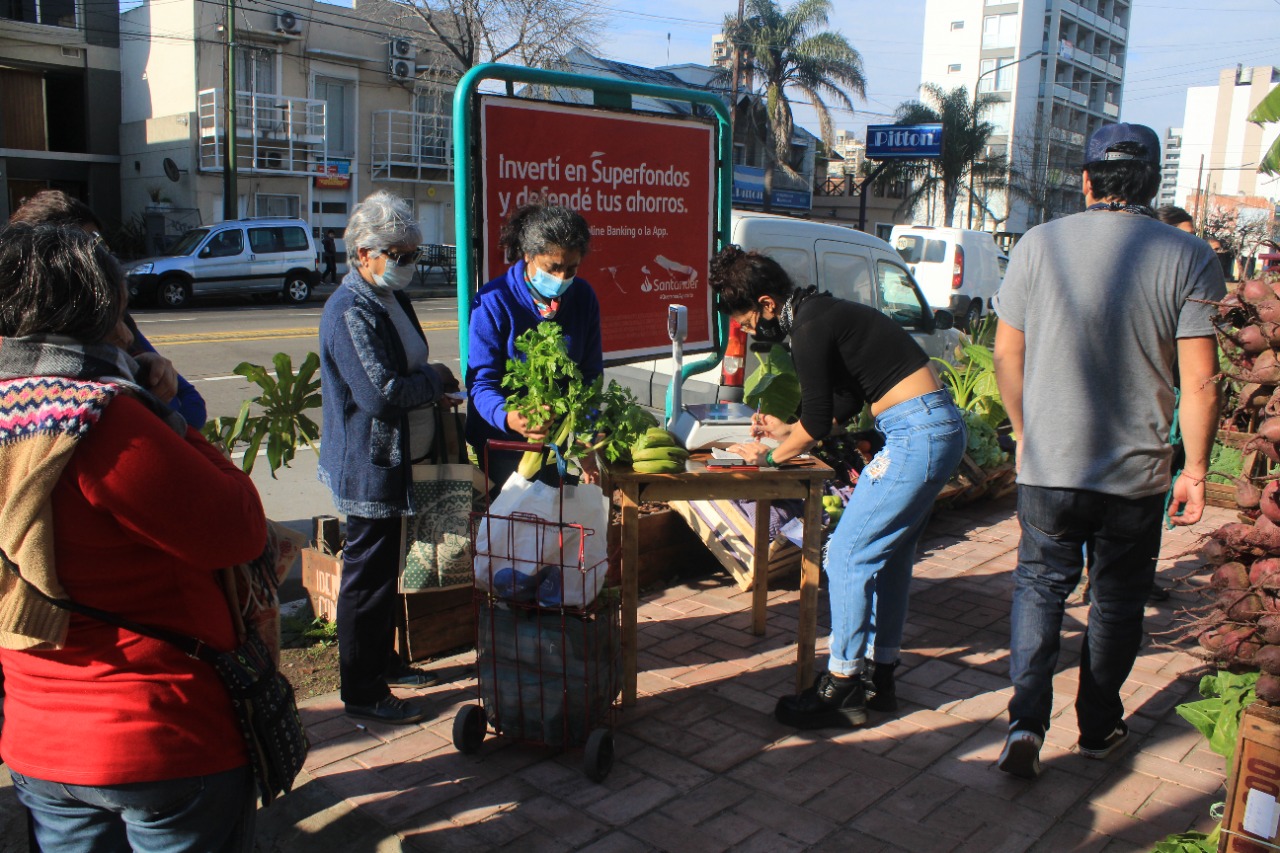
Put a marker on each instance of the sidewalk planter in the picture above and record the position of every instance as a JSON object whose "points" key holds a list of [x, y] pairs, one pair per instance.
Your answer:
{"points": [[1249, 823], [434, 621]]}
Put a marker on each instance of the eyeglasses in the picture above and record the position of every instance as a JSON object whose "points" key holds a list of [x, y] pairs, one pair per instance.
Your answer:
{"points": [[402, 259]]}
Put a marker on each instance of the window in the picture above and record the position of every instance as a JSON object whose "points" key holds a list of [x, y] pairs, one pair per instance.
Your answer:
{"points": [[884, 230], [898, 296], [1000, 31], [953, 68], [281, 206], [848, 277], [268, 241], [255, 70], [916, 249], [432, 105], [54, 13], [957, 25], [224, 244], [993, 80], [795, 262], [339, 121], [998, 115]]}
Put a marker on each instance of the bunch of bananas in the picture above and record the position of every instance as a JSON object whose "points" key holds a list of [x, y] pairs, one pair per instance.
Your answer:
{"points": [[657, 452]]}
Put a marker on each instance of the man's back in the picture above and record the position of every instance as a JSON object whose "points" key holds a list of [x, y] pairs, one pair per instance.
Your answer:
{"points": [[1101, 297]]}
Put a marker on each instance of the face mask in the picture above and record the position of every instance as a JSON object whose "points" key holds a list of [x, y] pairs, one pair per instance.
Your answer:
{"points": [[548, 286], [769, 331], [394, 277]]}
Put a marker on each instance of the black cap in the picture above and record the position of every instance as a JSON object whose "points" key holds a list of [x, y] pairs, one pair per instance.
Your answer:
{"points": [[1105, 140]]}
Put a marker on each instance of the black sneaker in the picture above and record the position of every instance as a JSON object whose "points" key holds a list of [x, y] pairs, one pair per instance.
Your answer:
{"points": [[1021, 754], [388, 709], [881, 695], [832, 702], [1098, 749]]}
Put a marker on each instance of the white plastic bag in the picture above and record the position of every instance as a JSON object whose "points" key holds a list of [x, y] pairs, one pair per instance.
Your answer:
{"points": [[529, 547]]}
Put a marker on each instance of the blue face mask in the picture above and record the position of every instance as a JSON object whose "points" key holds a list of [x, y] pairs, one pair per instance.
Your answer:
{"points": [[546, 285]]}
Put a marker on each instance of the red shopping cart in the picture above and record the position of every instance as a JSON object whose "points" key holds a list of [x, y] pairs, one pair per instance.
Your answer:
{"points": [[548, 632]]}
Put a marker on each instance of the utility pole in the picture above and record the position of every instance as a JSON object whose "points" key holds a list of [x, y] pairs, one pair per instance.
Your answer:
{"points": [[1200, 199], [230, 193]]}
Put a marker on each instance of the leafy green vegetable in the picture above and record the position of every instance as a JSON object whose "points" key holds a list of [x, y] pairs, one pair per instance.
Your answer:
{"points": [[774, 388], [973, 383], [984, 442], [620, 422], [1189, 842], [283, 424], [1217, 716]]}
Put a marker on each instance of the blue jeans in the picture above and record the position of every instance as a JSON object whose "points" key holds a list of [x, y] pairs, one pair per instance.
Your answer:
{"points": [[1124, 539], [871, 553], [198, 814]]}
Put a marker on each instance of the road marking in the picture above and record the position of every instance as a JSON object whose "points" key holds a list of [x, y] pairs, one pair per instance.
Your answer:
{"points": [[266, 334], [216, 378]]}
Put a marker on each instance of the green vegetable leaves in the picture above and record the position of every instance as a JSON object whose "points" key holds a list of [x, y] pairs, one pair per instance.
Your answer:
{"points": [[1217, 716], [773, 387]]}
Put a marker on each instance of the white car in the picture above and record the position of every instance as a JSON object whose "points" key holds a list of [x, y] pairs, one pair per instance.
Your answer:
{"points": [[957, 268]]}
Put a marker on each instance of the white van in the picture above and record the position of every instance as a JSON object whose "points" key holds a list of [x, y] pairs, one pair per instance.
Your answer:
{"points": [[850, 264], [257, 256], [957, 269]]}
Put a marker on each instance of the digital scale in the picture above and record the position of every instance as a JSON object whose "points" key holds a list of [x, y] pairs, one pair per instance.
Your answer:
{"points": [[700, 425]]}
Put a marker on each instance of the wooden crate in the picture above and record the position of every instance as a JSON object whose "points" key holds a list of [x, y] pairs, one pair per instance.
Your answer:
{"points": [[1254, 784], [1220, 493], [667, 546], [432, 622], [728, 534]]}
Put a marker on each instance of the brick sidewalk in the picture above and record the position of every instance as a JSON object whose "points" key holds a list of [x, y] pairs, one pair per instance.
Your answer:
{"points": [[702, 766]]}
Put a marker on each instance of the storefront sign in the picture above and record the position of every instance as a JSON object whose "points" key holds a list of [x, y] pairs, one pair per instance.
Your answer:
{"points": [[748, 189], [645, 186], [904, 141], [336, 174]]}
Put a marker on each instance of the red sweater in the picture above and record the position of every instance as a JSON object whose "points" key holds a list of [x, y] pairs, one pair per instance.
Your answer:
{"points": [[142, 521]]}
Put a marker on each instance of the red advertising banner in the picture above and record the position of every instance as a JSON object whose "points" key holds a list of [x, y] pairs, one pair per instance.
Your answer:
{"points": [[646, 187]]}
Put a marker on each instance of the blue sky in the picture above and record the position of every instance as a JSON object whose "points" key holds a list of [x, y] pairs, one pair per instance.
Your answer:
{"points": [[1173, 44]]}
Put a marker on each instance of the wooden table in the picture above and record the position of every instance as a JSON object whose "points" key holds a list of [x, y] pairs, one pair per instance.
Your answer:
{"points": [[698, 482]]}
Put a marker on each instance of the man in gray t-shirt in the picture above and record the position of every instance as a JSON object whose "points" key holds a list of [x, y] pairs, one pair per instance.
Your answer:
{"points": [[1102, 315]]}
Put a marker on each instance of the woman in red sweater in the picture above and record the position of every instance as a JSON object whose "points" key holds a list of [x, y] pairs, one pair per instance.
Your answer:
{"points": [[115, 741]]}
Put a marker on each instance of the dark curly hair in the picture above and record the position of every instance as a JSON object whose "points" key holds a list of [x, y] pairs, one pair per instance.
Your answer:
{"points": [[740, 278], [54, 207], [536, 229], [57, 280]]}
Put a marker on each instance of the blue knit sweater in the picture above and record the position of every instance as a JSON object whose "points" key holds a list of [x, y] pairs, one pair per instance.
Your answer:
{"points": [[368, 390], [502, 311]]}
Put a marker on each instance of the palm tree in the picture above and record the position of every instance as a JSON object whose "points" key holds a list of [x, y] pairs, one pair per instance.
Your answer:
{"points": [[964, 139], [786, 52]]}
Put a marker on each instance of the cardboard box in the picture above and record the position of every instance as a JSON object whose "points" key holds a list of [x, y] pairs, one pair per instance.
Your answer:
{"points": [[321, 576], [1250, 822]]}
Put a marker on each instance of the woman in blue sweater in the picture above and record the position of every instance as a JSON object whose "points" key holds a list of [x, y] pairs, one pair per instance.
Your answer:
{"points": [[545, 244]]}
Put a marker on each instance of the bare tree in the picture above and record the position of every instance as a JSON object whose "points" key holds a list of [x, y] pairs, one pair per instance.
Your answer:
{"points": [[1041, 180], [1240, 230], [536, 33]]}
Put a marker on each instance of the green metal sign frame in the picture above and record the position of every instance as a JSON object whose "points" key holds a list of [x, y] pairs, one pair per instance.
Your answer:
{"points": [[608, 93]]}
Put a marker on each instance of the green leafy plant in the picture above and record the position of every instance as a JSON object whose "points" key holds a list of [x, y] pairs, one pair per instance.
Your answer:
{"points": [[619, 423], [773, 387], [973, 383], [301, 632], [1268, 111], [983, 333], [282, 423], [1217, 717]]}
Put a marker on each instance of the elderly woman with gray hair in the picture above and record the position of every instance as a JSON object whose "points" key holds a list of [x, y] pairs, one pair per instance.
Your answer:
{"points": [[378, 386], [546, 244]]}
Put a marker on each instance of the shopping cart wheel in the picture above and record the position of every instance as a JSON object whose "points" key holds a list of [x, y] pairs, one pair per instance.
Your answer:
{"points": [[598, 755], [469, 729]]}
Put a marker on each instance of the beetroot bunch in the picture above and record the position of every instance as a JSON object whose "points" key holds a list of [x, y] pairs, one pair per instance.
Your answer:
{"points": [[1240, 628]]}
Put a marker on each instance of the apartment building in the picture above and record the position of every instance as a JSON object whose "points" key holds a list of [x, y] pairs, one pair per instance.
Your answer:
{"points": [[1055, 69], [331, 104], [1221, 148], [1169, 167], [60, 103]]}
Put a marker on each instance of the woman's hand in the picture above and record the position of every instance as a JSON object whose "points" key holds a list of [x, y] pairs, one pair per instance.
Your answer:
{"points": [[447, 380], [590, 470], [769, 426], [161, 375], [754, 452], [518, 423]]}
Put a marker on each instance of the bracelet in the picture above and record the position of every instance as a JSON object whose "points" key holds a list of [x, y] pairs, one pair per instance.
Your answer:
{"points": [[1196, 480], [768, 460]]}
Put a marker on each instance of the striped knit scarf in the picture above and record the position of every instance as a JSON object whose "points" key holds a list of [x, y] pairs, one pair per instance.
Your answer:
{"points": [[52, 391]]}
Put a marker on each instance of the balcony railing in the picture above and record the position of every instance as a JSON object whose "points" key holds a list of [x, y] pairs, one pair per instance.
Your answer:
{"points": [[275, 134], [411, 146]]}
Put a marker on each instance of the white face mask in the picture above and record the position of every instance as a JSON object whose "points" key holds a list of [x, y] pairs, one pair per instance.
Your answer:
{"points": [[394, 276]]}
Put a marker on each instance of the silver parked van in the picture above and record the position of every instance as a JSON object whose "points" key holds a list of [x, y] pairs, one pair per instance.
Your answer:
{"points": [[850, 264], [273, 256]]}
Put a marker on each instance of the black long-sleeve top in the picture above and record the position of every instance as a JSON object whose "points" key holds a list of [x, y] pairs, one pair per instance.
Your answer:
{"points": [[846, 354]]}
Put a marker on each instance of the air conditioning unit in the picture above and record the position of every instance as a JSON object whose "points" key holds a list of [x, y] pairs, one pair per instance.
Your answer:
{"points": [[401, 70], [269, 159], [401, 49], [287, 22]]}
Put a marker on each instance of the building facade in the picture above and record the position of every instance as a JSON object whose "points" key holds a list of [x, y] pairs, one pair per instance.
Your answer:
{"points": [[1169, 167], [331, 104], [1221, 148], [1055, 71], [60, 103]]}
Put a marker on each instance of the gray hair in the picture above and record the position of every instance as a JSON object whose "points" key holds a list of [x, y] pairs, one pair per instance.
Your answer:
{"points": [[381, 220], [536, 229]]}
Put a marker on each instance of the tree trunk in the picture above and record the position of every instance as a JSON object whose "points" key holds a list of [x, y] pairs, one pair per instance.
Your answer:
{"points": [[768, 184], [949, 197]]}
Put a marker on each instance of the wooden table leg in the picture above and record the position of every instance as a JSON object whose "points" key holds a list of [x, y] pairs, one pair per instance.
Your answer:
{"points": [[630, 587], [760, 568], [810, 569]]}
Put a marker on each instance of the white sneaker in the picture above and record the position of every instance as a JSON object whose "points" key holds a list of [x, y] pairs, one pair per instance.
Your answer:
{"points": [[1021, 754]]}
